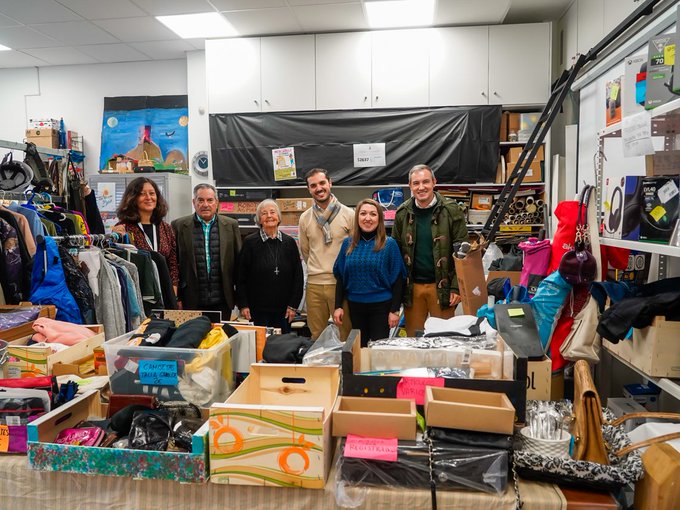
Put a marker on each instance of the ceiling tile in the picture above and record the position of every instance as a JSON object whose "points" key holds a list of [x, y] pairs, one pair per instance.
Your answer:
{"points": [[243, 5], [36, 11], [169, 7], [164, 50], [8, 22], [137, 29], [263, 21], [112, 52], [316, 2], [61, 56], [319, 18], [76, 32], [18, 59], [19, 38], [103, 9], [471, 12]]}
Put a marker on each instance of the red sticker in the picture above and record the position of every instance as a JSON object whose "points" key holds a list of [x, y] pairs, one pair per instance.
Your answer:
{"points": [[359, 447], [414, 387], [227, 206]]}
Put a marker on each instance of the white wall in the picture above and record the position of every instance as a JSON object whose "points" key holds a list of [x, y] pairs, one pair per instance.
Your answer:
{"points": [[199, 127], [77, 93]]}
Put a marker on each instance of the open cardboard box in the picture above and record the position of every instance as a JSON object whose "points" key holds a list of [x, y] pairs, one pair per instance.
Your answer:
{"points": [[45, 455], [481, 411], [275, 429], [375, 417], [356, 360], [29, 361]]}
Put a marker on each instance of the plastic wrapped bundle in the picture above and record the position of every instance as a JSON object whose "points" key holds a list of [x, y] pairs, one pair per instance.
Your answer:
{"points": [[454, 467]]}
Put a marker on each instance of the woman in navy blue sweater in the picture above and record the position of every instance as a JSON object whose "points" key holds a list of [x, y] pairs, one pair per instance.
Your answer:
{"points": [[370, 274]]}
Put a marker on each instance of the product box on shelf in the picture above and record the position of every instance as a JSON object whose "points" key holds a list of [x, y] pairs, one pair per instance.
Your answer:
{"points": [[359, 380], [43, 124], [45, 455], [25, 360], [275, 429], [534, 173], [654, 350], [294, 204], [514, 153], [539, 379], [621, 203], [199, 376], [43, 137], [660, 202], [375, 417], [243, 220], [647, 395], [238, 207], [25, 329], [481, 411]]}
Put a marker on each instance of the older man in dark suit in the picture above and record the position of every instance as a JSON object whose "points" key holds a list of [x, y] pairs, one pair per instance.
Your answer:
{"points": [[208, 245]]}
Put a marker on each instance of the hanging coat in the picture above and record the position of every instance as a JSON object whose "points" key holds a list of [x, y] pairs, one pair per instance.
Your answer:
{"points": [[547, 304]]}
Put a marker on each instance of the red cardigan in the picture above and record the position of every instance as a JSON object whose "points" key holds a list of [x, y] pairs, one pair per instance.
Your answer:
{"points": [[167, 245]]}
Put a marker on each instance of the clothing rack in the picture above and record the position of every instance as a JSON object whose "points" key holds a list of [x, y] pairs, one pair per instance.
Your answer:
{"points": [[91, 238], [29, 196]]}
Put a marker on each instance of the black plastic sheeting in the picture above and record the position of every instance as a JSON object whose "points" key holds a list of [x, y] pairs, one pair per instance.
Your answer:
{"points": [[459, 143]]}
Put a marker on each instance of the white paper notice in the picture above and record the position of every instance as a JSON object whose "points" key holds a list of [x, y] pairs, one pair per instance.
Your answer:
{"points": [[106, 196], [283, 161], [369, 154], [637, 135]]}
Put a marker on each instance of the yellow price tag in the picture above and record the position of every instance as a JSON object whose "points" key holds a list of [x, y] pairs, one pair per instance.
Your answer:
{"points": [[4, 438], [515, 312], [669, 55], [658, 212], [614, 91]]}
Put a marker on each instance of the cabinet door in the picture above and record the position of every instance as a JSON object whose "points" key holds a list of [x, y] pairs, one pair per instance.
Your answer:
{"points": [[615, 11], [343, 71], [459, 66], [519, 63], [590, 24], [400, 68], [233, 75], [288, 73]]}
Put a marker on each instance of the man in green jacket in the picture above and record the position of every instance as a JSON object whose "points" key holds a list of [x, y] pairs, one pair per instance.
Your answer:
{"points": [[426, 226]]}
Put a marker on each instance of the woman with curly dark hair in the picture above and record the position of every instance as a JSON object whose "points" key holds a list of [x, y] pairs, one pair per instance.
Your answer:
{"points": [[140, 215]]}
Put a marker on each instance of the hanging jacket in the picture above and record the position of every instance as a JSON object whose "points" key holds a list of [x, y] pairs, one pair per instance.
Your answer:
{"points": [[48, 286], [77, 284], [11, 267]]}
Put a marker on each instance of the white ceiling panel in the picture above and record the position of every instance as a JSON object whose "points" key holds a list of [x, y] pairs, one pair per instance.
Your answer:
{"points": [[113, 52], [169, 7], [61, 56], [137, 29], [36, 11], [263, 21], [164, 50], [18, 59], [103, 9], [316, 2], [76, 33], [533, 11], [242, 5], [18, 38], [471, 12], [8, 22], [324, 18]]}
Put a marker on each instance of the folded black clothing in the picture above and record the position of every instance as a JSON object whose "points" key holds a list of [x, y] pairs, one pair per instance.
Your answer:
{"points": [[469, 438], [190, 334], [287, 348], [454, 467], [163, 327]]}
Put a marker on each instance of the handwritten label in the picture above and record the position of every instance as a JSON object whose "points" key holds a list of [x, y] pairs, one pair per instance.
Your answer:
{"points": [[414, 387], [227, 206], [4, 438], [373, 448], [159, 373], [515, 312]]}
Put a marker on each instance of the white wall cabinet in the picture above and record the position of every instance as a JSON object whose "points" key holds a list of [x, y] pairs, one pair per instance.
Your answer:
{"points": [[233, 75], [459, 66], [288, 73], [343, 71], [615, 11], [519, 63], [400, 68]]}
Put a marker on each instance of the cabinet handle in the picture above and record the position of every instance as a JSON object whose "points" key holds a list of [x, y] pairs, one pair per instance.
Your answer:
{"points": [[266, 101], [376, 98], [255, 101], [484, 93], [495, 93], [365, 98]]}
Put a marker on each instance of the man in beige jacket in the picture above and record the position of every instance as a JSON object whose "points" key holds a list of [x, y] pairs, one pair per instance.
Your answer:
{"points": [[322, 229]]}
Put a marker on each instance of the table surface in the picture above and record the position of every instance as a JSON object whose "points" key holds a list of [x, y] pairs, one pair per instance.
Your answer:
{"points": [[22, 488]]}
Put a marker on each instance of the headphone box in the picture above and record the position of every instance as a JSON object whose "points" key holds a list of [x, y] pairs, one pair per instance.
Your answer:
{"points": [[660, 200], [621, 207]]}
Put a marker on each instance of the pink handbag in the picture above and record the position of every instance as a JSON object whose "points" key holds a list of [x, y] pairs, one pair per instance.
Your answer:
{"points": [[536, 261]]}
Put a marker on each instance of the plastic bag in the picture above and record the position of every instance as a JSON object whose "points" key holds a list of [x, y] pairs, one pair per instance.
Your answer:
{"points": [[327, 350], [493, 252]]}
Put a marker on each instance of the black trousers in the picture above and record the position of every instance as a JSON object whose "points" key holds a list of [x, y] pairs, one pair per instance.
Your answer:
{"points": [[270, 319], [371, 319]]}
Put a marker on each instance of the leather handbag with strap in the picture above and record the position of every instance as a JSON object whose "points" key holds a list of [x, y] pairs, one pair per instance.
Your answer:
{"points": [[581, 264], [583, 342], [588, 418]]}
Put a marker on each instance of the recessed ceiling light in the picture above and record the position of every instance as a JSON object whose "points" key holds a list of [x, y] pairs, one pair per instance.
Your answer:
{"points": [[4, 48], [202, 25], [399, 13]]}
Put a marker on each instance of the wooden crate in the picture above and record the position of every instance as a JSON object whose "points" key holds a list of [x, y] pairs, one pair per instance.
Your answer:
{"points": [[49, 311]]}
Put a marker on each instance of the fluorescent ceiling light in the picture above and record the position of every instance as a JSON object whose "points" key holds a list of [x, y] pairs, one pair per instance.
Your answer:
{"points": [[399, 13], [202, 25], [4, 48]]}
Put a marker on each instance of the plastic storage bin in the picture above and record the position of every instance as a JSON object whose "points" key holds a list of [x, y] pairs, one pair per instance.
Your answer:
{"points": [[199, 376]]}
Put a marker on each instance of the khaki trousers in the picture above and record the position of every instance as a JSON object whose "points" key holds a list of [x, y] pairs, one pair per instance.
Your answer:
{"points": [[424, 304], [320, 307]]}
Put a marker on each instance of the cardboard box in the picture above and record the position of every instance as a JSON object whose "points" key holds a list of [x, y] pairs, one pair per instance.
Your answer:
{"points": [[513, 123], [43, 137], [503, 135], [513, 275], [655, 350], [480, 411], [290, 218], [43, 124], [662, 163], [294, 204], [514, 153], [534, 173], [28, 361], [660, 202], [375, 417], [275, 429], [539, 379], [44, 455], [482, 201], [471, 281], [26, 329]]}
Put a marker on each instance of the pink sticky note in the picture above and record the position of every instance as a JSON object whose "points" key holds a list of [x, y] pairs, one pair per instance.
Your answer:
{"points": [[390, 214], [227, 206], [414, 387], [373, 448]]}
